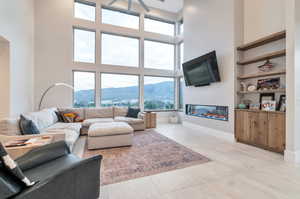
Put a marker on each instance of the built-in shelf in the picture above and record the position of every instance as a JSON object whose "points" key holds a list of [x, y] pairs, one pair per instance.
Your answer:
{"points": [[265, 40], [264, 57], [242, 77], [260, 111], [264, 91]]}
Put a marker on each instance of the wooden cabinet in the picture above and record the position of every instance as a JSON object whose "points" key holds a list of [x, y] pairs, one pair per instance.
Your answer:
{"points": [[261, 129], [150, 119]]}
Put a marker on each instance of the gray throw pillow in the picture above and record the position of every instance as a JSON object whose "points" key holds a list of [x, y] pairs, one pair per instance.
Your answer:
{"points": [[28, 127], [133, 112]]}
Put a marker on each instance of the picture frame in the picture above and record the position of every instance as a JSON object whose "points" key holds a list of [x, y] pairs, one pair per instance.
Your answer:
{"points": [[282, 103], [268, 84], [266, 97], [268, 105]]}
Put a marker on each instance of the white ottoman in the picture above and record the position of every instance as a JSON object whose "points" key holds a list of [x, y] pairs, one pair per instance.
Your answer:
{"points": [[108, 135]]}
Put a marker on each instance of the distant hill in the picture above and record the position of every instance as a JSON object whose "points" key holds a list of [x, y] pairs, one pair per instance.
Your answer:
{"points": [[159, 92]]}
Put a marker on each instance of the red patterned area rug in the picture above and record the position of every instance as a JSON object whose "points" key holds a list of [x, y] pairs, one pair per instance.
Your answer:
{"points": [[151, 153]]}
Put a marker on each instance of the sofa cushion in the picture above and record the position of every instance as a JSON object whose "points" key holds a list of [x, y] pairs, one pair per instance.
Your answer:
{"points": [[129, 120], [63, 126], [42, 119], [10, 127], [109, 129], [106, 112], [120, 111], [71, 131], [89, 122], [28, 127], [79, 111]]}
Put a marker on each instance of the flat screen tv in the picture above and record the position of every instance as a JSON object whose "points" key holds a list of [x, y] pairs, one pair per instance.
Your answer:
{"points": [[202, 71]]}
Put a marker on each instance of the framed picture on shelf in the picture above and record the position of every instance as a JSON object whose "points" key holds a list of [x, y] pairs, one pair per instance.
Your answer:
{"points": [[282, 103], [268, 105], [268, 84], [266, 97]]}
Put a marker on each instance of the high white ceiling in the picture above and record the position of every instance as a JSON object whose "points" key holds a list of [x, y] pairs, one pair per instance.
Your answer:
{"points": [[168, 5]]}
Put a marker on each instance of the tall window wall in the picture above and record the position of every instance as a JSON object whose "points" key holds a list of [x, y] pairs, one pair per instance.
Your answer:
{"points": [[134, 57]]}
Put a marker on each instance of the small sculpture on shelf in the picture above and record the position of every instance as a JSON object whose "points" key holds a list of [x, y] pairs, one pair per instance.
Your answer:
{"points": [[251, 88], [267, 66]]}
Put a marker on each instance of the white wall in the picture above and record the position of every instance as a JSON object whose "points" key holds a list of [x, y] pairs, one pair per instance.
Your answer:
{"points": [[4, 78], [263, 17], [17, 22], [210, 25]]}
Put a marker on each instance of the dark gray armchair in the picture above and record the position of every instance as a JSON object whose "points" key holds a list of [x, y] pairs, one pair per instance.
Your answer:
{"points": [[60, 175]]}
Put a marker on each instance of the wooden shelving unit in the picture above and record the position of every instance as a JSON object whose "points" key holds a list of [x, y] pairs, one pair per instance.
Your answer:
{"points": [[243, 77], [264, 57], [271, 38], [260, 111], [256, 127], [264, 91]]}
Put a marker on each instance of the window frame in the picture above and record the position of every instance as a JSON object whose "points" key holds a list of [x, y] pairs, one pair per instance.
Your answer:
{"points": [[88, 3], [95, 50], [125, 74], [121, 11], [121, 35], [95, 83], [161, 110], [163, 42], [160, 20]]}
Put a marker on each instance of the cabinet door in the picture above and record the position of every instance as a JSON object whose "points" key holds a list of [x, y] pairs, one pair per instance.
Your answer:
{"points": [[276, 136], [258, 128], [242, 124]]}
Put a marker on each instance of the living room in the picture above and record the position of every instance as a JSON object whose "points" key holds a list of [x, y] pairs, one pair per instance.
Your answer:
{"points": [[148, 99]]}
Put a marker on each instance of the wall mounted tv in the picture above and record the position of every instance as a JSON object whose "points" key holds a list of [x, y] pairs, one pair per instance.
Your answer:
{"points": [[202, 71]]}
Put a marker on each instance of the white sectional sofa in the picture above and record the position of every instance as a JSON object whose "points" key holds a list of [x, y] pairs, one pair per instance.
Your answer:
{"points": [[47, 123]]}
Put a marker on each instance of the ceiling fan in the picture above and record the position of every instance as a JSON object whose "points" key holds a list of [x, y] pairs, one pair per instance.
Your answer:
{"points": [[130, 4]]}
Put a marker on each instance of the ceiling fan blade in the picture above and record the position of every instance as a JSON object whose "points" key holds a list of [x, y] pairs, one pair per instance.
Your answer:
{"points": [[144, 5], [129, 4], [112, 2]]}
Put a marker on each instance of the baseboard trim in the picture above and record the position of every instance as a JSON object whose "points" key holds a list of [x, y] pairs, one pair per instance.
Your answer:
{"points": [[292, 156], [209, 131]]}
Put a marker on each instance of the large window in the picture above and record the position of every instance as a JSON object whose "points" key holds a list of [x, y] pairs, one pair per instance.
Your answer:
{"points": [[85, 10], [84, 89], [120, 18], [119, 50], [159, 93], [119, 90], [159, 55], [84, 46], [159, 26]]}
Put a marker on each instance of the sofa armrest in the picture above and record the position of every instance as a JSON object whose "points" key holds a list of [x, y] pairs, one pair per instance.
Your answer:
{"points": [[141, 115], [42, 155], [80, 180]]}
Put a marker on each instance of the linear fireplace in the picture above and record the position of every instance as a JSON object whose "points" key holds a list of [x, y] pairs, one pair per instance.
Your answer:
{"points": [[206, 111]]}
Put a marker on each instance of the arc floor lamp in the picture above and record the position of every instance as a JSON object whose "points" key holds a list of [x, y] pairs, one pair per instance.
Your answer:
{"points": [[51, 87]]}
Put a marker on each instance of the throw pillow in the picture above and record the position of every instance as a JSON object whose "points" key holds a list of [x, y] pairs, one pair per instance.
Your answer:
{"points": [[27, 126], [13, 168], [71, 117], [59, 116], [133, 112]]}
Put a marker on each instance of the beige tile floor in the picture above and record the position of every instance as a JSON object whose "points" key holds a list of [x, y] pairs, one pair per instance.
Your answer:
{"points": [[237, 171]]}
